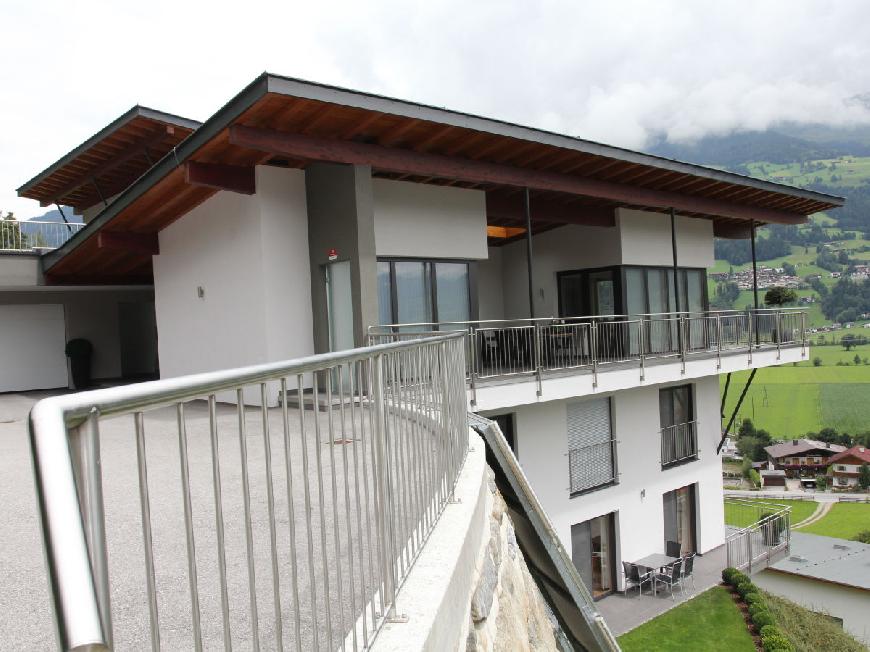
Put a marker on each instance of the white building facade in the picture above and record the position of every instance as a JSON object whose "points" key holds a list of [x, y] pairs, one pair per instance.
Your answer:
{"points": [[303, 236]]}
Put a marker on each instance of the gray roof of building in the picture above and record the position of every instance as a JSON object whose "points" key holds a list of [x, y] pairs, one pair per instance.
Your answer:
{"points": [[828, 559], [802, 446]]}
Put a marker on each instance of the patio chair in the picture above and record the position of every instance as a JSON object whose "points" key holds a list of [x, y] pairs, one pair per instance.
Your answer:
{"points": [[688, 564], [634, 575], [672, 576], [673, 549]]}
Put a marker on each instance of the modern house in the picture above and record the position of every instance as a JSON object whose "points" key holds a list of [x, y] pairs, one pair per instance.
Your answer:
{"points": [[303, 218], [802, 457], [827, 575], [845, 466]]}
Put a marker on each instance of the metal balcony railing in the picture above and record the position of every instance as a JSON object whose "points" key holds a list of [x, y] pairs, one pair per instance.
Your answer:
{"points": [[504, 348], [332, 523], [762, 533], [31, 235], [679, 443]]}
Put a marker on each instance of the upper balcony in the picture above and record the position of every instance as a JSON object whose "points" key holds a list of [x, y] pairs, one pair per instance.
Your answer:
{"points": [[32, 236], [515, 362]]}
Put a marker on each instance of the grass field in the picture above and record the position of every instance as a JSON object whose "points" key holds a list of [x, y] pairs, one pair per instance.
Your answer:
{"points": [[741, 516], [844, 521], [848, 170], [708, 623], [790, 401]]}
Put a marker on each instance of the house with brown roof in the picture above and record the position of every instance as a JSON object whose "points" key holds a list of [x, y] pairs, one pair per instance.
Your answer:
{"points": [[845, 466], [800, 457]]}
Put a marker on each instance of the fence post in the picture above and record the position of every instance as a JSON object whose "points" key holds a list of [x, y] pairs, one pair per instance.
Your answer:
{"points": [[382, 487], [751, 319], [803, 334], [594, 331], [642, 344], [718, 341], [473, 364], [537, 356], [85, 442], [681, 329], [749, 550], [778, 334]]}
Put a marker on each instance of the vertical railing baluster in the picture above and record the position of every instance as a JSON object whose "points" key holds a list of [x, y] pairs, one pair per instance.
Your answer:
{"points": [[291, 511], [270, 504], [188, 528], [249, 534], [219, 521], [147, 541]]}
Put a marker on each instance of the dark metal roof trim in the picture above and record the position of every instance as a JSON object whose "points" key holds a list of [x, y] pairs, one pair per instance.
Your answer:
{"points": [[172, 159], [117, 123], [384, 104]]}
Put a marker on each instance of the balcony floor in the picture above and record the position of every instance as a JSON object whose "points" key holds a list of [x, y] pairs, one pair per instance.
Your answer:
{"points": [[625, 612]]}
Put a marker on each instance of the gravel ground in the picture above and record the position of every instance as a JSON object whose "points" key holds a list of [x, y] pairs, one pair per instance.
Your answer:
{"points": [[25, 618]]}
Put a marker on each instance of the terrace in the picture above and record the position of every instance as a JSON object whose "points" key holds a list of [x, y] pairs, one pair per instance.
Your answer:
{"points": [[509, 362]]}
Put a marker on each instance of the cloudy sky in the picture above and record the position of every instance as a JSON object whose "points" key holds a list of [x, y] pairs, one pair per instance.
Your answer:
{"points": [[619, 72]]}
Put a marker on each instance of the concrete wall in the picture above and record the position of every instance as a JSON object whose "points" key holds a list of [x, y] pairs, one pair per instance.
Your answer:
{"points": [[848, 603], [341, 217], [542, 449], [92, 314], [19, 270], [249, 256], [424, 221], [646, 239]]}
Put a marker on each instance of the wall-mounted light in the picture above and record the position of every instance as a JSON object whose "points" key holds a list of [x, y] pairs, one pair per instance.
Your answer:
{"points": [[642, 494], [200, 292]]}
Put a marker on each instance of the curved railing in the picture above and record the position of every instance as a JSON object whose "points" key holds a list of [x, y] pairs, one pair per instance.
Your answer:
{"points": [[761, 532], [299, 539], [34, 235]]}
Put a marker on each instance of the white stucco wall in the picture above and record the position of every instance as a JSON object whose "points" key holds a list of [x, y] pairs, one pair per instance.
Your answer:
{"points": [[250, 256], [490, 298], [426, 221], [542, 450], [850, 604], [563, 249], [646, 239], [18, 270]]}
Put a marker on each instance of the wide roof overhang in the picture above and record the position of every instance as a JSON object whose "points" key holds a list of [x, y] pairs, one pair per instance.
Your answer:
{"points": [[291, 123], [110, 160]]}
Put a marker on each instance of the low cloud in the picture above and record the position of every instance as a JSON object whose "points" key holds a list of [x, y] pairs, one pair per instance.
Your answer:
{"points": [[614, 72]]}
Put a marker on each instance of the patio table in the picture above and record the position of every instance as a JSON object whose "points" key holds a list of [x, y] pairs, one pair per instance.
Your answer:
{"points": [[654, 562]]}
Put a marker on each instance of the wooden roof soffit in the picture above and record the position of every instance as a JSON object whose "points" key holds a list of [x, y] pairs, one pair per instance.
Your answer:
{"points": [[134, 243], [404, 161], [512, 207], [732, 230], [138, 149]]}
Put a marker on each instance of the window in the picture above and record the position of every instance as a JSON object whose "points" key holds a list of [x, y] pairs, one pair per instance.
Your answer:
{"points": [[591, 447], [679, 435], [423, 292]]}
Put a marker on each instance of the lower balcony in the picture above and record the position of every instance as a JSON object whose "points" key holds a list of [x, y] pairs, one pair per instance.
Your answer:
{"points": [[679, 443], [513, 362]]}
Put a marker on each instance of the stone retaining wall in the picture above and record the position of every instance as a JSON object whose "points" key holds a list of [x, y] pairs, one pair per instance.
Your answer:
{"points": [[507, 609]]}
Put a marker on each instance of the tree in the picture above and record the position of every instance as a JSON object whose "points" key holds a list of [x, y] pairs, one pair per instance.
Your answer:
{"points": [[726, 294], [817, 361], [11, 236], [857, 359], [778, 296], [789, 269], [821, 482], [864, 476]]}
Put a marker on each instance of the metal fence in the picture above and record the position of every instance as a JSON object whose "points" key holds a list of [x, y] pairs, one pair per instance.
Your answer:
{"points": [[503, 348], [32, 235], [763, 533], [679, 443], [288, 527]]}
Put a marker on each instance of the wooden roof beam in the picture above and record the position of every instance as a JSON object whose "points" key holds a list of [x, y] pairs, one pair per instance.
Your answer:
{"points": [[504, 206], [235, 178], [403, 161]]}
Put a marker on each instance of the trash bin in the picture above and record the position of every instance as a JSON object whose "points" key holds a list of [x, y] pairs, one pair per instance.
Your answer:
{"points": [[79, 353]]}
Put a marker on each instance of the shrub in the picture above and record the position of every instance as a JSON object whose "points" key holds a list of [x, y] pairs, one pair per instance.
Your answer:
{"points": [[728, 575], [762, 617], [745, 587], [776, 642], [863, 536], [767, 630], [752, 598]]}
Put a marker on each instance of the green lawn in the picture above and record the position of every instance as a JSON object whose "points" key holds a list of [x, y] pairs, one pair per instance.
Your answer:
{"points": [[790, 401], [708, 623], [740, 516], [844, 521]]}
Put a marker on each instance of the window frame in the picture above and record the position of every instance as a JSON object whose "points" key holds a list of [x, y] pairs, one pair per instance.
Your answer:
{"points": [[693, 419], [429, 266]]}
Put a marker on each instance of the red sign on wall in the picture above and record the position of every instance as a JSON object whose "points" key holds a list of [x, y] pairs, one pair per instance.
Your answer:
{"points": [[332, 254]]}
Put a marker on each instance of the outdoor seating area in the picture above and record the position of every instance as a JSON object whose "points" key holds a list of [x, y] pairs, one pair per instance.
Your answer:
{"points": [[668, 570], [657, 582]]}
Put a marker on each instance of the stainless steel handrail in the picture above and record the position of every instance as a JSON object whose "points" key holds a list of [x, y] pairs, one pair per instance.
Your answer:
{"points": [[768, 534], [34, 235], [526, 346], [405, 404]]}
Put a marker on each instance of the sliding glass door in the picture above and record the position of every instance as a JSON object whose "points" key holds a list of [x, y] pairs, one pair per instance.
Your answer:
{"points": [[593, 553], [679, 515], [423, 292]]}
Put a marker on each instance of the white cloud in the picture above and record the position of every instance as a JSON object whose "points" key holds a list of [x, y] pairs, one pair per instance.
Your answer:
{"points": [[614, 72]]}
